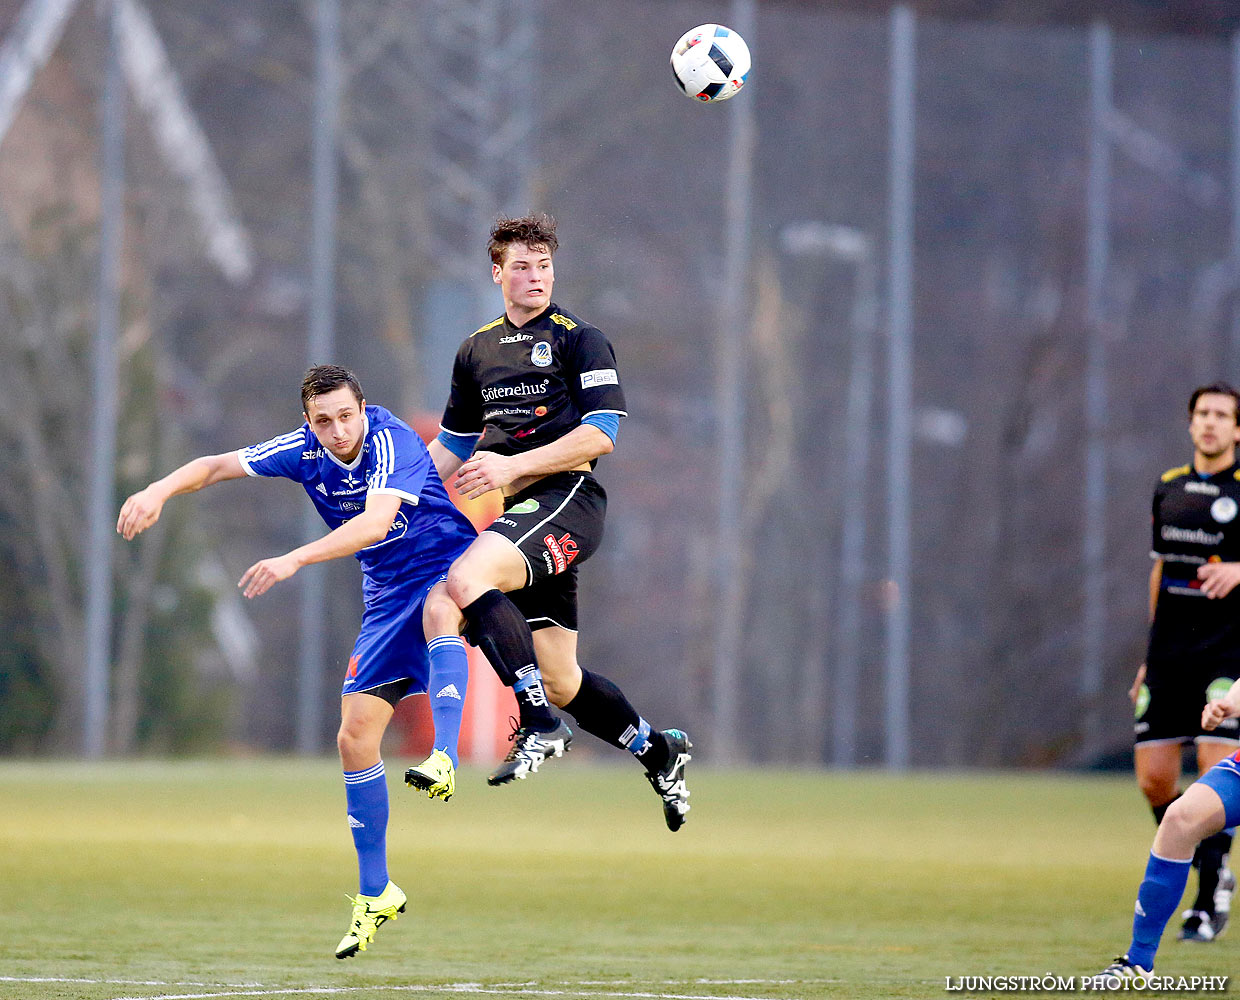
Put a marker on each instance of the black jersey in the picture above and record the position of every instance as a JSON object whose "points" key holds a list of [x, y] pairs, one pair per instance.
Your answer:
{"points": [[1195, 522], [524, 386]]}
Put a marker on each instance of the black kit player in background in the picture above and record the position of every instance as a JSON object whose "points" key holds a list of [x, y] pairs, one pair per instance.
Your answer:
{"points": [[1194, 643], [535, 402]]}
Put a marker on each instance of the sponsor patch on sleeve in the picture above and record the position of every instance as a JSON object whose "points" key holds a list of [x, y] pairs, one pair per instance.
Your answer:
{"points": [[600, 376]]}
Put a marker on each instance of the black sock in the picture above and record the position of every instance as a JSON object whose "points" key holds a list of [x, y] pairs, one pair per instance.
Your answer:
{"points": [[1209, 858], [1161, 811], [602, 709], [497, 627]]}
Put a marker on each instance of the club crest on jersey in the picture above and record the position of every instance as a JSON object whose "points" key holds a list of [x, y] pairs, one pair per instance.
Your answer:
{"points": [[540, 356], [1224, 510]]}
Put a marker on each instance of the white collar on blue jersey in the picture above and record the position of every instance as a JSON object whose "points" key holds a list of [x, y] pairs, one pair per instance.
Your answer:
{"points": [[360, 451]]}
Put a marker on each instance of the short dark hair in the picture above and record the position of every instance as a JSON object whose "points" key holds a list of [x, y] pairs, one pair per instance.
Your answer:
{"points": [[328, 378], [536, 231], [1214, 389]]}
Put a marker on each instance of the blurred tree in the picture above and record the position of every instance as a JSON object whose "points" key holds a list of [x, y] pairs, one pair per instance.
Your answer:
{"points": [[47, 279]]}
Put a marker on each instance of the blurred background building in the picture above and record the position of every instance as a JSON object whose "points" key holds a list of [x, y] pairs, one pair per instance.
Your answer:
{"points": [[908, 330]]}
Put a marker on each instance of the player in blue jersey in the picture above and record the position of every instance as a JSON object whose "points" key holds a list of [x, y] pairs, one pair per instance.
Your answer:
{"points": [[1208, 806], [535, 402], [371, 479]]}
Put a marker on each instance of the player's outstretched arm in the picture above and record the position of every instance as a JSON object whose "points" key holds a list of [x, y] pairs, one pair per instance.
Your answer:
{"points": [[370, 526], [142, 509], [1221, 708]]}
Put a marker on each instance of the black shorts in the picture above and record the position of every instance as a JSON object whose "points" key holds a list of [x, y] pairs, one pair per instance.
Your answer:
{"points": [[1171, 699], [556, 524]]}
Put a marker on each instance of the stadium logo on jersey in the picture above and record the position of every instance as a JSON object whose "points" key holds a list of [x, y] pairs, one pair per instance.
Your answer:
{"points": [[1224, 509], [601, 376], [1209, 489], [540, 356], [524, 507], [516, 338]]}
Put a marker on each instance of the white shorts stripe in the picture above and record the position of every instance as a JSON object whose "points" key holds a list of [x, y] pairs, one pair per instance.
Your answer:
{"points": [[550, 517]]}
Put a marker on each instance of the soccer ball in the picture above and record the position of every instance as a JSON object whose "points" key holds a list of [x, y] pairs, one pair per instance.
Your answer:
{"points": [[710, 63]]}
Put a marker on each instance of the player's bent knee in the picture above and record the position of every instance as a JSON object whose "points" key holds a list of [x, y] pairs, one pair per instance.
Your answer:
{"points": [[1158, 789], [1186, 824], [440, 614], [356, 743], [465, 584]]}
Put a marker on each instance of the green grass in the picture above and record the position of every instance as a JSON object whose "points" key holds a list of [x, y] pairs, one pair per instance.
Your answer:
{"points": [[179, 879]]}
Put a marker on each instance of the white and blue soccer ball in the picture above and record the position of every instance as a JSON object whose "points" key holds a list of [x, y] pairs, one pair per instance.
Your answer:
{"points": [[710, 63]]}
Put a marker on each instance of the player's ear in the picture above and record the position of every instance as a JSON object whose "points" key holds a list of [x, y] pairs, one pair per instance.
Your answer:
{"points": [[496, 272]]}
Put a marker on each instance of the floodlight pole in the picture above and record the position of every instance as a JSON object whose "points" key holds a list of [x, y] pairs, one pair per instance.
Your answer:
{"points": [[320, 346], [732, 327], [101, 513], [857, 248], [1097, 262], [899, 387]]}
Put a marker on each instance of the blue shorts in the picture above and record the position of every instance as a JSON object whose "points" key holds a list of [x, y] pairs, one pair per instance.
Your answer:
{"points": [[391, 645], [1224, 778]]}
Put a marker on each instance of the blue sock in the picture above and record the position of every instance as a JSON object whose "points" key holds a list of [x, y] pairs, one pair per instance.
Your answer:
{"points": [[367, 796], [449, 678], [1157, 899]]}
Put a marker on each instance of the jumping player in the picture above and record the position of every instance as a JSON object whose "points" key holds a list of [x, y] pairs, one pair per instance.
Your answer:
{"points": [[371, 480], [535, 401], [1194, 642], [1209, 805]]}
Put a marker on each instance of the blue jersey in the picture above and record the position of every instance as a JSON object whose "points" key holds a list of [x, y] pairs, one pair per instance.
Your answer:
{"points": [[428, 531]]}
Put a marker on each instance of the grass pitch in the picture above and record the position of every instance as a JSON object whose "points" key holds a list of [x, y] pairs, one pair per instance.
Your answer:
{"points": [[228, 879]]}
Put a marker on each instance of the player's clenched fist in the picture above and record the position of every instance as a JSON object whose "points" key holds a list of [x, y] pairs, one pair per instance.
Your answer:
{"points": [[139, 512], [1215, 712]]}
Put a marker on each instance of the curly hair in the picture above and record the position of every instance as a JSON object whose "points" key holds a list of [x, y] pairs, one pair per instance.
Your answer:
{"points": [[536, 231]]}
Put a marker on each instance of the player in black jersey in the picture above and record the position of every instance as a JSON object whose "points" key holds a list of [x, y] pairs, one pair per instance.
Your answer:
{"points": [[1193, 655], [535, 402]]}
